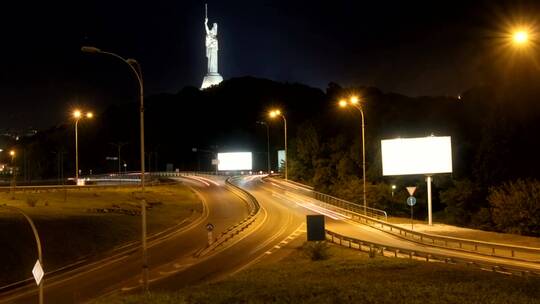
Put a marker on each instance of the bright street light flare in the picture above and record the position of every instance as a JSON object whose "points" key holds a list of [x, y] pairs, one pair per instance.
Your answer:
{"points": [[520, 37], [76, 113], [343, 103]]}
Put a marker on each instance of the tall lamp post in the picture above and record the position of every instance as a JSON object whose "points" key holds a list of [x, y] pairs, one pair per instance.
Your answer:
{"points": [[267, 144], [77, 114], [274, 114], [354, 101], [13, 170], [135, 67]]}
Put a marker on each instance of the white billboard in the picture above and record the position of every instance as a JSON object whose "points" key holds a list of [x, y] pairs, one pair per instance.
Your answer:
{"points": [[234, 161], [422, 155]]}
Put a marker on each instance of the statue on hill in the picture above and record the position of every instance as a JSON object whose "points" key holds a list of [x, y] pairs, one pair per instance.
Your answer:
{"points": [[212, 77]]}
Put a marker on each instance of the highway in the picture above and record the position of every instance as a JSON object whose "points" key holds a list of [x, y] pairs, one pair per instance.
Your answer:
{"points": [[341, 224], [174, 260], [221, 208]]}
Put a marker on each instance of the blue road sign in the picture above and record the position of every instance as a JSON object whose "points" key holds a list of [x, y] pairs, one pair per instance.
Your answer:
{"points": [[411, 201]]}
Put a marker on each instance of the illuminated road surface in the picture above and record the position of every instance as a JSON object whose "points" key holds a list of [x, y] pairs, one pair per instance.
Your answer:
{"points": [[223, 209], [341, 224]]}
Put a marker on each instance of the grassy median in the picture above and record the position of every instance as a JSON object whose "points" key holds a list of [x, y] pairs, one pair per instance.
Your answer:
{"points": [[352, 277], [80, 223]]}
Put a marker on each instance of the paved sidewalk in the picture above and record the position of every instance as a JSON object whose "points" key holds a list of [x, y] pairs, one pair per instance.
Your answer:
{"points": [[467, 233]]}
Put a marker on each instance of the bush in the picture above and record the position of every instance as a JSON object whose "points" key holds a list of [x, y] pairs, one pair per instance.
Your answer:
{"points": [[463, 201], [31, 201], [516, 206], [317, 251]]}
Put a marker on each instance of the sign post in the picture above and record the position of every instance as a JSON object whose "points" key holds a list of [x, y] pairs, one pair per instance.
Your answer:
{"points": [[210, 229], [411, 201]]}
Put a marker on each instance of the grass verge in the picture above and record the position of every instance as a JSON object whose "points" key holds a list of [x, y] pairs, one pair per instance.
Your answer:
{"points": [[82, 223], [352, 277]]}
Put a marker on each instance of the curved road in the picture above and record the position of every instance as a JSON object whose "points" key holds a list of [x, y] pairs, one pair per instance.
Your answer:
{"points": [[342, 225], [222, 208]]}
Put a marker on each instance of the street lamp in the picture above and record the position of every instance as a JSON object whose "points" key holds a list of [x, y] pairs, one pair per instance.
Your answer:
{"points": [[274, 114], [520, 37], [38, 242], [77, 114], [354, 101], [267, 143], [13, 171], [136, 69]]}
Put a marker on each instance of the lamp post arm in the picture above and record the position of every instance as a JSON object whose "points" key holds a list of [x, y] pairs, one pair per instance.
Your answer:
{"points": [[38, 243]]}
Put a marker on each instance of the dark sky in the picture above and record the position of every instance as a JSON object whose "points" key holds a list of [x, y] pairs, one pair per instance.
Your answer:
{"points": [[410, 47]]}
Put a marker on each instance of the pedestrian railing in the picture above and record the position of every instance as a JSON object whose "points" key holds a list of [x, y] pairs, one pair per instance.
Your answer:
{"points": [[531, 254], [330, 202], [392, 251]]}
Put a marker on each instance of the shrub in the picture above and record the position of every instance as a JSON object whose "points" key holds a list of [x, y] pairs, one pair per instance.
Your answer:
{"points": [[317, 251], [463, 200], [516, 206]]}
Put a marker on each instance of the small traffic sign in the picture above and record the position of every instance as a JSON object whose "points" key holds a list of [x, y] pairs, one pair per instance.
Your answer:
{"points": [[411, 190], [38, 272], [215, 161], [209, 227], [411, 201]]}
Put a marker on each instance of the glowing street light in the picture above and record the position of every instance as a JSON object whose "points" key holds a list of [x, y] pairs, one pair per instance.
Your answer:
{"points": [[274, 114], [354, 101], [77, 114], [135, 67], [520, 37]]}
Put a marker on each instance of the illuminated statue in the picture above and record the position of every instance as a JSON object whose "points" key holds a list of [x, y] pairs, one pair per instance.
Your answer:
{"points": [[212, 77]]}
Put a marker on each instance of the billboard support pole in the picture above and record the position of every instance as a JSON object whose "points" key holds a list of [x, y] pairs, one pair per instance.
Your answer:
{"points": [[430, 210]]}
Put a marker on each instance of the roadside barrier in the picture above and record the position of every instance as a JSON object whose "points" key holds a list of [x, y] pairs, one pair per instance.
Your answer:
{"points": [[529, 254], [392, 251]]}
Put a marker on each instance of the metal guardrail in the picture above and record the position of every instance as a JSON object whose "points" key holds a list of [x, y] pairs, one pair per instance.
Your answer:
{"points": [[530, 254], [331, 201], [254, 208], [373, 248]]}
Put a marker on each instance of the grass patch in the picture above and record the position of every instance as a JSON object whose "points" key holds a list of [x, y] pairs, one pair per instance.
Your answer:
{"points": [[74, 225], [352, 277]]}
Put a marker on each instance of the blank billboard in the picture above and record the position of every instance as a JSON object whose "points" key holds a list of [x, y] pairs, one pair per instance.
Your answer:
{"points": [[423, 155], [234, 161]]}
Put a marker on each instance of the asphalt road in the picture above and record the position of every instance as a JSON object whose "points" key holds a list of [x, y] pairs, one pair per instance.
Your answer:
{"points": [[222, 209], [342, 225], [173, 261]]}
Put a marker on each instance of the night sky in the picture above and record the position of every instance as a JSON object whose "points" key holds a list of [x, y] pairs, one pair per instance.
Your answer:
{"points": [[410, 47]]}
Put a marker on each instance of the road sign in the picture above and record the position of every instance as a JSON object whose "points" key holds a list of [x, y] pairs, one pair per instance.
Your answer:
{"points": [[411, 201], [209, 227], [38, 272], [315, 227], [215, 161], [111, 158], [411, 190]]}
